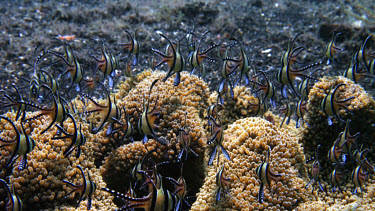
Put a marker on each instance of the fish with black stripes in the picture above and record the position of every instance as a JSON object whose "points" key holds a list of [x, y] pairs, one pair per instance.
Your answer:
{"points": [[347, 141], [257, 109], [146, 123], [287, 110], [77, 138], [337, 154], [21, 145], [158, 198], [107, 112], [363, 56], [14, 202], [288, 74], [301, 110], [222, 182], [335, 178], [224, 87], [212, 110], [217, 133], [266, 176], [107, 64], [33, 87], [315, 171], [133, 47], [19, 103], [197, 57], [180, 190], [241, 63], [330, 105], [85, 189], [174, 60], [73, 68], [360, 175], [125, 127], [267, 88], [58, 112], [304, 88], [332, 49], [360, 154], [353, 72], [185, 141]]}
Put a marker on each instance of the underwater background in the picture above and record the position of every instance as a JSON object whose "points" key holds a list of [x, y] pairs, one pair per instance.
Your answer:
{"points": [[187, 105]]}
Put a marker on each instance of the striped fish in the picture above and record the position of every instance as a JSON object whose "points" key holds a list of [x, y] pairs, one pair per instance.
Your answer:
{"points": [[77, 138], [174, 59], [146, 123], [58, 112], [107, 112], [315, 171], [337, 154], [107, 63], [242, 63], [185, 141], [359, 176], [266, 175], [51, 82], [19, 103], [22, 144], [268, 88], [360, 154], [86, 189], [196, 60], [335, 178], [158, 199], [14, 202], [353, 73], [332, 49], [133, 47], [288, 111], [287, 75], [73, 67], [222, 183], [347, 141], [330, 105], [217, 130], [126, 127], [362, 55]]}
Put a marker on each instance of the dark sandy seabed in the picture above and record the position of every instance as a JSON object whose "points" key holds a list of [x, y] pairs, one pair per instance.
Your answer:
{"points": [[264, 26]]}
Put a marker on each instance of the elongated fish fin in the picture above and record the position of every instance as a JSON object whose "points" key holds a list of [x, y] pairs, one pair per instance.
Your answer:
{"points": [[287, 120], [177, 79], [218, 193], [212, 156], [213, 138], [261, 193], [226, 155], [88, 202]]}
